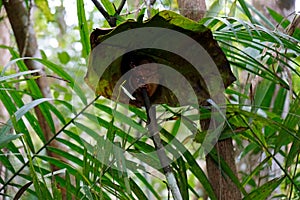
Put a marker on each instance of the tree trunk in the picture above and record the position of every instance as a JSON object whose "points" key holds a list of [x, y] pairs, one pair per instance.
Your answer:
{"points": [[283, 7], [22, 25], [193, 9], [223, 187], [4, 59], [5, 55]]}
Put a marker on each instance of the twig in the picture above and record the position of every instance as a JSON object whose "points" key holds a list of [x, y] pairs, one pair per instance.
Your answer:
{"points": [[111, 20], [56, 77], [154, 134], [121, 6], [136, 11]]}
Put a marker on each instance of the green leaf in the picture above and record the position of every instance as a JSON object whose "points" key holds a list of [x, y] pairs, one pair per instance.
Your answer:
{"points": [[72, 145], [199, 174], [279, 18], [75, 137], [83, 29], [10, 101], [44, 7], [291, 122], [61, 164], [154, 11], [27, 4], [5, 161], [141, 15], [263, 94], [121, 165], [232, 10], [16, 152], [264, 191], [193, 166], [279, 102], [63, 57], [120, 116], [263, 18], [68, 186], [137, 190], [109, 7], [5, 139], [59, 70], [87, 192], [255, 171], [22, 111], [34, 88], [148, 185], [66, 155], [57, 194], [57, 113], [94, 134], [246, 10], [33, 174], [214, 9], [4, 78], [293, 153], [182, 178]]}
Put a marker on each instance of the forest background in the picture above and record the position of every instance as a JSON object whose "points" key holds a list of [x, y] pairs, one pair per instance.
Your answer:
{"points": [[51, 126]]}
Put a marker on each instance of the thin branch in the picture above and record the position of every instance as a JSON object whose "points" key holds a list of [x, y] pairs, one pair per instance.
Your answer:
{"points": [[101, 9], [111, 20], [121, 6], [162, 156]]}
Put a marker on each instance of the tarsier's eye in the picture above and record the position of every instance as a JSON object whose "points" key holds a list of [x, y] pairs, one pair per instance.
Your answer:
{"points": [[143, 77]]}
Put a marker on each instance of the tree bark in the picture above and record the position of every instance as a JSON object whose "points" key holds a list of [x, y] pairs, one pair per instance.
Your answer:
{"points": [[283, 7], [22, 25], [223, 187], [5, 55], [26, 40], [4, 59], [193, 9]]}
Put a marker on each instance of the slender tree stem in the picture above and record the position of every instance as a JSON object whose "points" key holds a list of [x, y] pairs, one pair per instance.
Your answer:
{"points": [[152, 126]]}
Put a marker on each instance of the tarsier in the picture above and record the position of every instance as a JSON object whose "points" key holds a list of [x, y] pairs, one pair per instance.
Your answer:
{"points": [[147, 67], [143, 73]]}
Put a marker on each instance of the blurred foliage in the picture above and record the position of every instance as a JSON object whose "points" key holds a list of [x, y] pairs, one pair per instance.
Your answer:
{"points": [[262, 114]]}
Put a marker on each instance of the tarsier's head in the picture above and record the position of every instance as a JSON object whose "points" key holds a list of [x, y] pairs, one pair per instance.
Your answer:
{"points": [[143, 72]]}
